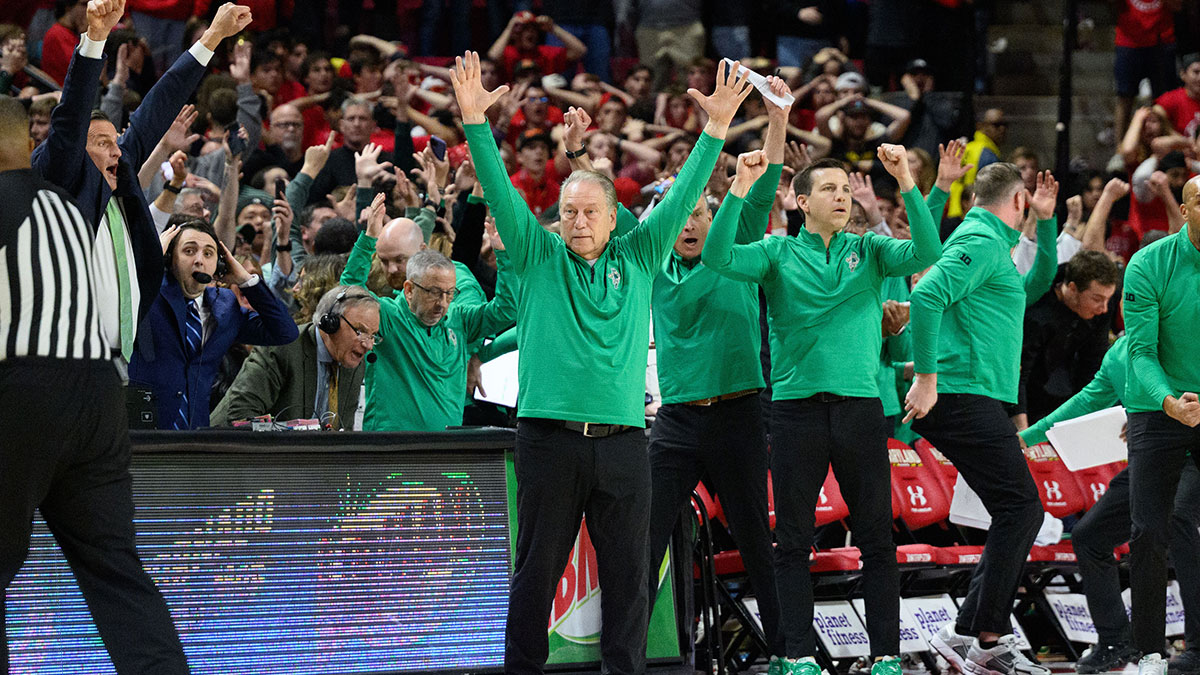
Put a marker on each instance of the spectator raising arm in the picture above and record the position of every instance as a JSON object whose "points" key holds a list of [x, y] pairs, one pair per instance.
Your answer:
{"points": [[1041, 206], [1093, 236]]}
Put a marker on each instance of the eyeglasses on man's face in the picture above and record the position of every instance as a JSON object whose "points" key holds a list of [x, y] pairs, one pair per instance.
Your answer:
{"points": [[437, 293], [363, 335]]}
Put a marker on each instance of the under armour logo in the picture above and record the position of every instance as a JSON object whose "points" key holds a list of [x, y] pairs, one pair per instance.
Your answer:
{"points": [[1053, 490], [1098, 490], [916, 495]]}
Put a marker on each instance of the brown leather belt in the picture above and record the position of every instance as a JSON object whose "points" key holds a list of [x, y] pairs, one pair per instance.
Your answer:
{"points": [[723, 397]]}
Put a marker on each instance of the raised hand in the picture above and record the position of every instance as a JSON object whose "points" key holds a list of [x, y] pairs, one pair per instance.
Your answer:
{"points": [[950, 166], [240, 68], [1159, 185], [102, 17], [177, 137], [1115, 189], [282, 214], [861, 188], [316, 156], [779, 88], [230, 20], [234, 272], [577, 122], [13, 57], [895, 160], [473, 99], [1075, 210], [376, 215], [732, 88], [750, 167], [367, 166], [166, 237], [489, 226], [1045, 197], [796, 156], [179, 168], [121, 74]]}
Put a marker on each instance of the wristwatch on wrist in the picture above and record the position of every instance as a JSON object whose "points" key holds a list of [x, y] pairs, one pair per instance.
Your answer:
{"points": [[171, 188], [283, 247], [577, 153]]}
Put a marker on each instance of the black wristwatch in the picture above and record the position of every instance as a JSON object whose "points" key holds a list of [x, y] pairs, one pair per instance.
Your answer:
{"points": [[283, 247], [171, 188], [576, 154]]}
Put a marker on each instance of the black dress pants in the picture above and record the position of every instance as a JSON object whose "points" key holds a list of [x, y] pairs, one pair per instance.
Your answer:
{"points": [[561, 477], [975, 433], [1158, 448], [808, 436], [66, 453], [724, 444]]}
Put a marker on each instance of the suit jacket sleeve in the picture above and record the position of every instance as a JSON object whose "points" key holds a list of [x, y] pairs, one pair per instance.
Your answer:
{"points": [[157, 111], [268, 323], [63, 157]]}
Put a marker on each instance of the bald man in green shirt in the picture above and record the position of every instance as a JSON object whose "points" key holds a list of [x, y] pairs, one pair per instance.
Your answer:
{"points": [[582, 327], [1162, 319]]}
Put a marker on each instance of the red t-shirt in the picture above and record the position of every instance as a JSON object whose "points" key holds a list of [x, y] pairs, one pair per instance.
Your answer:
{"points": [[290, 90], [1144, 23], [1146, 216], [549, 59], [316, 125], [539, 193], [57, 48], [1183, 110]]}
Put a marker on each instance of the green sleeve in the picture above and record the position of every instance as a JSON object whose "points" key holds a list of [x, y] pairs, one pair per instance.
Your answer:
{"points": [[1039, 278], [962, 267], [898, 257], [498, 313], [362, 199], [626, 221], [297, 197], [424, 218], [504, 343], [745, 262], [935, 201], [1141, 328], [753, 221], [526, 241], [1099, 394], [651, 242]]}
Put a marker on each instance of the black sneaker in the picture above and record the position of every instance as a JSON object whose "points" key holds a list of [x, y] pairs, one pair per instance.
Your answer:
{"points": [[1104, 657], [1185, 663]]}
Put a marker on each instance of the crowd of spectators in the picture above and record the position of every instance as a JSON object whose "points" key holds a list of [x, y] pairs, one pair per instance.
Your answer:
{"points": [[314, 108]]}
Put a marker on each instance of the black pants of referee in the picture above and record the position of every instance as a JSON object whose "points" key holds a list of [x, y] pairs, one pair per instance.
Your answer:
{"points": [[1107, 525], [724, 444], [807, 437], [1158, 448], [976, 434], [561, 477], [66, 454]]}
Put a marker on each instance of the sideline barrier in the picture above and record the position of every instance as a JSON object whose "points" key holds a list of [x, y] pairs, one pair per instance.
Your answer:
{"points": [[283, 552]]}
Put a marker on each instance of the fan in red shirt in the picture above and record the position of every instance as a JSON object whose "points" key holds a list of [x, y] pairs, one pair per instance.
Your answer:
{"points": [[60, 41], [522, 39], [535, 113], [1183, 104], [536, 180]]}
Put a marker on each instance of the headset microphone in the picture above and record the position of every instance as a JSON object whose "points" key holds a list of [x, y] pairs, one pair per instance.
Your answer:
{"points": [[202, 277], [371, 357]]}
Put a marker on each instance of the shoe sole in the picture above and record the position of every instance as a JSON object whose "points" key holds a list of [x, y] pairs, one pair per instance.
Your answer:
{"points": [[1124, 660], [973, 668], [952, 657]]}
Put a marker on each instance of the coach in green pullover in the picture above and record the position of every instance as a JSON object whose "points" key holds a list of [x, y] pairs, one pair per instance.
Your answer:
{"points": [[967, 315], [824, 311], [1162, 319], [1106, 526], [582, 328], [418, 380]]}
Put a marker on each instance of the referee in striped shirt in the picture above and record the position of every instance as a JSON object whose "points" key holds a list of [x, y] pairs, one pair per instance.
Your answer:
{"points": [[62, 411]]}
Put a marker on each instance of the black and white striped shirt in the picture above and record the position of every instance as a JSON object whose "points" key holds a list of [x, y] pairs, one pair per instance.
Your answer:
{"points": [[47, 304]]}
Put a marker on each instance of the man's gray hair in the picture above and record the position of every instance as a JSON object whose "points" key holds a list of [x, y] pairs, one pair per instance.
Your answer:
{"points": [[355, 102], [583, 176], [355, 296], [424, 262], [186, 192], [997, 182]]}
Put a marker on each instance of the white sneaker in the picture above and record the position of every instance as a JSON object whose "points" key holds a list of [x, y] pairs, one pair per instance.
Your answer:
{"points": [[1152, 664], [952, 646], [1003, 659]]}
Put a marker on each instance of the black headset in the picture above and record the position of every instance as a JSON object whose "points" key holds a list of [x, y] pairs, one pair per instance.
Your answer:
{"points": [[331, 320], [222, 263]]}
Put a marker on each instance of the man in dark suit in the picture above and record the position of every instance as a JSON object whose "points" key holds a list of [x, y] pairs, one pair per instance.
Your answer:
{"points": [[317, 376], [191, 325], [128, 254]]}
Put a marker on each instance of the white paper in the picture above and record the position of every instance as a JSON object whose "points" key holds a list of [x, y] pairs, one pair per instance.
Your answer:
{"points": [[1090, 440], [760, 83], [967, 509], [498, 378]]}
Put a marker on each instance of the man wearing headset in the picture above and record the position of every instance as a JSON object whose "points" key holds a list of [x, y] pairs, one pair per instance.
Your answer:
{"points": [[319, 375], [192, 324]]}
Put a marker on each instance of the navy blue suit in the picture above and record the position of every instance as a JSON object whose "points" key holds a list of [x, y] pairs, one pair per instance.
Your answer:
{"points": [[160, 361], [63, 160]]}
